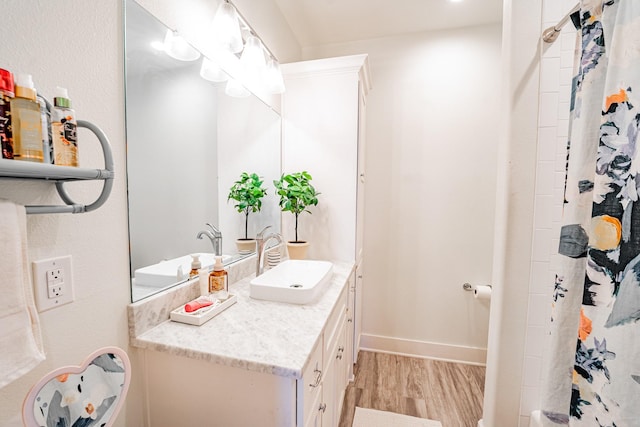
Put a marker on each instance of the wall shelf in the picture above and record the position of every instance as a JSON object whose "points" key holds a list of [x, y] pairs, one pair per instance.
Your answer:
{"points": [[61, 174]]}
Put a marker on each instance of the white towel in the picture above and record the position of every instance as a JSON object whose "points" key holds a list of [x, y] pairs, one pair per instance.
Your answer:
{"points": [[20, 338]]}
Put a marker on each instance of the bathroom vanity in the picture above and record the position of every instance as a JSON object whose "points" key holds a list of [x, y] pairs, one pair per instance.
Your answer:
{"points": [[259, 363]]}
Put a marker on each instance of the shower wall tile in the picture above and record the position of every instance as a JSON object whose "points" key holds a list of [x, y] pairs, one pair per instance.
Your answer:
{"points": [[548, 114], [535, 341], [551, 13], [532, 373], [556, 71], [541, 278], [549, 79], [547, 144], [563, 110], [545, 178], [539, 310], [543, 213], [563, 127], [530, 399], [541, 242]]}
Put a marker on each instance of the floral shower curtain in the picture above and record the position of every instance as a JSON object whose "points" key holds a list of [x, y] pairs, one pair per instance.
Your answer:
{"points": [[593, 374]]}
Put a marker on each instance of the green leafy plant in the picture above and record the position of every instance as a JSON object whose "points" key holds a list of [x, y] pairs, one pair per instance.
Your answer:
{"points": [[248, 193], [296, 193]]}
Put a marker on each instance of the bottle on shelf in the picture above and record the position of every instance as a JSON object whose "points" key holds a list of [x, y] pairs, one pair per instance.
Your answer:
{"points": [[7, 93], [25, 121], [45, 123], [64, 130]]}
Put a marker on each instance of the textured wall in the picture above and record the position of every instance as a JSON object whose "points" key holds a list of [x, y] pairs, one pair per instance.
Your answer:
{"points": [[59, 44]]}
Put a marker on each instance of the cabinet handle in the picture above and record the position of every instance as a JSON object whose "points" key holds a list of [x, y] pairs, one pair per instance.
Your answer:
{"points": [[323, 407], [350, 320], [318, 378]]}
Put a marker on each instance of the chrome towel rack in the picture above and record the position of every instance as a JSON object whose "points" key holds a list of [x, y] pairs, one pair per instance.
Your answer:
{"points": [[61, 174]]}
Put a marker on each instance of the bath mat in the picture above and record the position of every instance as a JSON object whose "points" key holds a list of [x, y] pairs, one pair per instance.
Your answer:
{"points": [[373, 418]]}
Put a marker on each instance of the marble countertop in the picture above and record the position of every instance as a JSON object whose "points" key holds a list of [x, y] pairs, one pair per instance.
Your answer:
{"points": [[264, 336]]}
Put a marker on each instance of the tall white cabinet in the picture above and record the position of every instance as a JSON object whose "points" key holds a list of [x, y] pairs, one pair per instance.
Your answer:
{"points": [[323, 111]]}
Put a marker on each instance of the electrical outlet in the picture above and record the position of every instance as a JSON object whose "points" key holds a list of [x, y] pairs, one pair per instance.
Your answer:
{"points": [[52, 282]]}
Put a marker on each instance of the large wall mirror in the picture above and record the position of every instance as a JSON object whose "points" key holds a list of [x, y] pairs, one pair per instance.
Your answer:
{"points": [[187, 142]]}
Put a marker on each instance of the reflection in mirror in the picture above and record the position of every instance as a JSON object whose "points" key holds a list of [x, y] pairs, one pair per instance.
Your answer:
{"points": [[187, 142]]}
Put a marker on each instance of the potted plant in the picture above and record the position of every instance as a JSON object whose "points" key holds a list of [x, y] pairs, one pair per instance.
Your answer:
{"points": [[248, 193], [296, 194]]}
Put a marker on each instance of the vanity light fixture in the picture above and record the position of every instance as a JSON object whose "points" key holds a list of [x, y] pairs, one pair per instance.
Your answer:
{"points": [[209, 70], [249, 69], [235, 89], [273, 78], [177, 47], [252, 60], [226, 28]]}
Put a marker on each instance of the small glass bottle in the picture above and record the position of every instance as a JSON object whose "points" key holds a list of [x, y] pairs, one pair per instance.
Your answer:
{"points": [[218, 279], [45, 123], [63, 130], [195, 265], [7, 93], [25, 121]]}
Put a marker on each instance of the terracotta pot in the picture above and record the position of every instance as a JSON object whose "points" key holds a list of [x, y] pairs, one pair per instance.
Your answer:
{"points": [[246, 246], [297, 250]]}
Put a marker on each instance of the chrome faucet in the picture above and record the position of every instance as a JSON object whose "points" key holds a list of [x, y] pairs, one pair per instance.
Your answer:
{"points": [[216, 238], [261, 245]]}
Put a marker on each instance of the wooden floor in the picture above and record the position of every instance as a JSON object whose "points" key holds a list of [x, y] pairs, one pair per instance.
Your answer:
{"points": [[447, 392]]}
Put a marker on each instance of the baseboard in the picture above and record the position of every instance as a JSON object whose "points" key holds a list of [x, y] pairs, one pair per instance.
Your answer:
{"points": [[424, 349]]}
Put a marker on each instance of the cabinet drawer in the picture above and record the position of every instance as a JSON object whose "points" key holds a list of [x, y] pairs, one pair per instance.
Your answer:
{"points": [[330, 329], [310, 386]]}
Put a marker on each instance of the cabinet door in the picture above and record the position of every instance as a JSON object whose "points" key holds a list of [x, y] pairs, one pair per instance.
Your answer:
{"points": [[357, 311], [329, 386], [349, 354], [317, 408]]}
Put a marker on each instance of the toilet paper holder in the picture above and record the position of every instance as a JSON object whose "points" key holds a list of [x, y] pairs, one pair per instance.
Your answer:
{"points": [[469, 287]]}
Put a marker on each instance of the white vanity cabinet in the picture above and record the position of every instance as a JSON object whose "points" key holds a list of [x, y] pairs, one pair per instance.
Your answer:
{"points": [[321, 390], [323, 132], [258, 363]]}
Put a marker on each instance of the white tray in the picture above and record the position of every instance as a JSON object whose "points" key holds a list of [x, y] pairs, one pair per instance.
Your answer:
{"points": [[203, 315]]}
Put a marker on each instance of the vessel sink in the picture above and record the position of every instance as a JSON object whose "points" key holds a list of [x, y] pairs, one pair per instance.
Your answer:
{"points": [[292, 281], [170, 271]]}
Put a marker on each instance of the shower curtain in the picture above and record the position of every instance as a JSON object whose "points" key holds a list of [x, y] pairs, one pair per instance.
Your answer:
{"points": [[593, 374]]}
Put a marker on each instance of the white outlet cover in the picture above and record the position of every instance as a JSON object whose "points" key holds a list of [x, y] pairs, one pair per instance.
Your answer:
{"points": [[41, 287]]}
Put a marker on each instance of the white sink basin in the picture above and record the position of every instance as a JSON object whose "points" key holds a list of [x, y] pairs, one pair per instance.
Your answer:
{"points": [[171, 271], [292, 281]]}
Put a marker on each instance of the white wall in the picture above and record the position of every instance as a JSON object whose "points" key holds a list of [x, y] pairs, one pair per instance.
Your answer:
{"points": [[430, 192], [60, 45], [79, 45]]}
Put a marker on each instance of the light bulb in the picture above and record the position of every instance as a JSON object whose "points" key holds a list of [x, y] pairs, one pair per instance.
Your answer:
{"points": [[273, 77], [235, 89], [226, 28], [177, 47], [212, 71]]}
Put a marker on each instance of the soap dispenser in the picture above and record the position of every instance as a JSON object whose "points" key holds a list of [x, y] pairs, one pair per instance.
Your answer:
{"points": [[195, 265], [218, 279]]}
